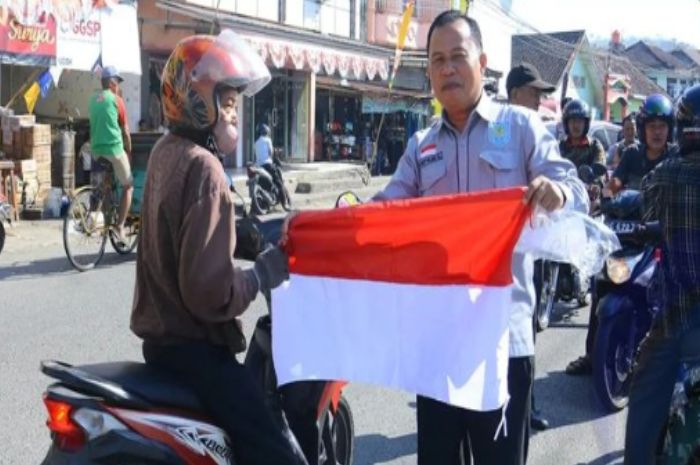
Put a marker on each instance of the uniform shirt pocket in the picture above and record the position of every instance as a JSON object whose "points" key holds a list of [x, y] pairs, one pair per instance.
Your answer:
{"points": [[505, 168], [432, 170]]}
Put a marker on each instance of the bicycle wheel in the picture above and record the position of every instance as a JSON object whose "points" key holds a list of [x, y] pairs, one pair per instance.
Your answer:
{"points": [[85, 229], [131, 237]]}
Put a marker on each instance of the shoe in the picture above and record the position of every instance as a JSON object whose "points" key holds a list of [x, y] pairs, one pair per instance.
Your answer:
{"points": [[537, 421], [580, 366]]}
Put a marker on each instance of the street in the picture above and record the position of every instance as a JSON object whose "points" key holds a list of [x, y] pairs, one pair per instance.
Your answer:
{"points": [[50, 311]]}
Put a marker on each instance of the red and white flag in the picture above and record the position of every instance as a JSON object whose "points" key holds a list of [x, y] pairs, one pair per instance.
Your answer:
{"points": [[410, 294]]}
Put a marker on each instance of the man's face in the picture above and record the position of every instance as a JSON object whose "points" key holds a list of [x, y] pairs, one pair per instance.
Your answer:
{"points": [[656, 132], [576, 127], [526, 96], [629, 131], [455, 66], [114, 86]]}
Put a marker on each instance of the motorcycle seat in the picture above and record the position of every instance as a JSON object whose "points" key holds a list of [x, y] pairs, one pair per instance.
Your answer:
{"points": [[127, 384]]}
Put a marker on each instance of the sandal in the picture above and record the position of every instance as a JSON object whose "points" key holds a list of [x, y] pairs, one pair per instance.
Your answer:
{"points": [[580, 366]]}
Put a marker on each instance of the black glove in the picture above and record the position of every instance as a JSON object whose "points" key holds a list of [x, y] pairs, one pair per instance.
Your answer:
{"points": [[271, 268]]}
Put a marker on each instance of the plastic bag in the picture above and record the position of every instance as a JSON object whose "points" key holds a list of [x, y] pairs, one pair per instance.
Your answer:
{"points": [[570, 237]]}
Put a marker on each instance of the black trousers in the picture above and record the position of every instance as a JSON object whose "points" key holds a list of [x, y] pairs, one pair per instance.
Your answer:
{"points": [[592, 321], [447, 435], [230, 395]]}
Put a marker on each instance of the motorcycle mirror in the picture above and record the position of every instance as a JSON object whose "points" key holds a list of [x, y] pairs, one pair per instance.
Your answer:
{"points": [[347, 199], [586, 174], [599, 169]]}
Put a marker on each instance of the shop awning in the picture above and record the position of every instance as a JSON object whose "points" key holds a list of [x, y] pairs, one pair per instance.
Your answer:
{"points": [[297, 55], [284, 46], [80, 35]]}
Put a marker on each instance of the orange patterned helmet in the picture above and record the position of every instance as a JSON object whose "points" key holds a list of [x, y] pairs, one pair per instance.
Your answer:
{"points": [[198, 68]]}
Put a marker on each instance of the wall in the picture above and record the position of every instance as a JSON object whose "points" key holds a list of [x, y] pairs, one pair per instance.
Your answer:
{"points": [[328, 17], [264, 9], [582, 83]]}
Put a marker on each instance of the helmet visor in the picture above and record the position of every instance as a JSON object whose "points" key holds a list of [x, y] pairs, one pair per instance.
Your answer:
{"points": [[232, 62]]}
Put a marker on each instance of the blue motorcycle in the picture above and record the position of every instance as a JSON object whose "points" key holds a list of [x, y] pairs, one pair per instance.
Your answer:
{"points": [[623, 299]]}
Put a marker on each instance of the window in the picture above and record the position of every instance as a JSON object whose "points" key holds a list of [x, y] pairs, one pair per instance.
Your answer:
{"points": [[579, 82]]}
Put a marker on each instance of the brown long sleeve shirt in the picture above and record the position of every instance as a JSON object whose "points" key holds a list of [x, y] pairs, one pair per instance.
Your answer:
{"points": [[187, 287]]}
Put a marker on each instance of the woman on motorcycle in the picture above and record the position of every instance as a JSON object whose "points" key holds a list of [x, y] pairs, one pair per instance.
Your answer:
{"points": [[188, 292]]}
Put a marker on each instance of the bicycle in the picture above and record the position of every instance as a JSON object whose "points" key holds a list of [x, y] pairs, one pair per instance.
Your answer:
{"points": [[92, 218]]}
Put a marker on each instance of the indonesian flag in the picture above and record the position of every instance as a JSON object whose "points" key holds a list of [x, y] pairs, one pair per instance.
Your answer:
{"points": [[409, 294]]}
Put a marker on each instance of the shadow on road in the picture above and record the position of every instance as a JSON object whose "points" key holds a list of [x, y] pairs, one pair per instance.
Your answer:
{"points": [[56, 265], [576, 399], [377, 448], [612, 458]]}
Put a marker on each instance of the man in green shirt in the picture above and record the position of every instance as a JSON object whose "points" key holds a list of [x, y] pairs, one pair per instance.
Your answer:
{"points": [[110, 139]]}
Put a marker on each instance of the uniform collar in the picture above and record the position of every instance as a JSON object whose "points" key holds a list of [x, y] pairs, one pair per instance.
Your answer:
{"points": [[486, 109]]}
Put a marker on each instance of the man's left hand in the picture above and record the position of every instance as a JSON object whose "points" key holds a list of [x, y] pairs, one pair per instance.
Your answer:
{"points": [[544, 192]]}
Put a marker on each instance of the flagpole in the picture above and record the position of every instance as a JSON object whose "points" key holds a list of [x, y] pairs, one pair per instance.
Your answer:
{"points": [[29, 82]]}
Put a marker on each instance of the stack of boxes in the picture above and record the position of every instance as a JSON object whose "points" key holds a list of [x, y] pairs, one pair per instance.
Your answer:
{"points": [[29, 144]]}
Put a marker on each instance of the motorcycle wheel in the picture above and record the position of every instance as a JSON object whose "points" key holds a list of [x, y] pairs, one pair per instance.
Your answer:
{"points": [[338, 436], [260, 204], [612, 363], [545, 305], [2, 235]]}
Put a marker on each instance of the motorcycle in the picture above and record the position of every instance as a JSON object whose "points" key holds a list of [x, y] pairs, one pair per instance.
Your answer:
{"points": [[555, 281], [5, 216], [133, 413], [265, 191], [679, 443], [624, 300]]}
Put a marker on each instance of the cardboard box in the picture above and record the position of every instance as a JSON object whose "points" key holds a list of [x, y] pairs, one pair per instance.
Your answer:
{"points": [[17, 121], [40, 153], [37, 134], [25, 169]]}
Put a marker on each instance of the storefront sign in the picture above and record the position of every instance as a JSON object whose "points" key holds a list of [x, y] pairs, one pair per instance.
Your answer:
{"points": [[384, 105], [31, 44], [79, 43]]}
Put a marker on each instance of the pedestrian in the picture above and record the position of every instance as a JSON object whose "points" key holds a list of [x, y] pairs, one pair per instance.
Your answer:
{"points": [[525, 87], [189, 292], [672, 196], [110, 138], [480, 145]]}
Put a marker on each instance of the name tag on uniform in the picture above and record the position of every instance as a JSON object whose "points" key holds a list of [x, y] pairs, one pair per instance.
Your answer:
{"points": [[426, 160]]}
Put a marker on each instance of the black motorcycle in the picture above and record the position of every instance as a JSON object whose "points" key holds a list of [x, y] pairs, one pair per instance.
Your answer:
{"points": [[624, 299], [267, 189], [555, 281]]}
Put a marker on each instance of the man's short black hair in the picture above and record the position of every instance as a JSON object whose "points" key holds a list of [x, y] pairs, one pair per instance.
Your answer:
{"points": [[449, 17]]}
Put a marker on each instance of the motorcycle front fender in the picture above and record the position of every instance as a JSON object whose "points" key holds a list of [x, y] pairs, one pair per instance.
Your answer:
{"points": [[616, 303]]}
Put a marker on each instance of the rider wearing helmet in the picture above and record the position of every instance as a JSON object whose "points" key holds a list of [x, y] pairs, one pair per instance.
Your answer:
{"points": [[671, 195], [655, 128], [577, 146], [188, 292], [265, 157]]}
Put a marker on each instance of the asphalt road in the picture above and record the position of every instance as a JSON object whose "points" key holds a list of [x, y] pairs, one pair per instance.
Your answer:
{"points": [[49, 311]]}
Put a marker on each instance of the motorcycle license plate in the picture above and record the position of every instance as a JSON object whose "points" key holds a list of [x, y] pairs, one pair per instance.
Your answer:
{"points": [[622, 226]]}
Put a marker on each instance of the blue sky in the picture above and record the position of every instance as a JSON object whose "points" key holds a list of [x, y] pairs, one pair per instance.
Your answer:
{"points": [[667, 19]]}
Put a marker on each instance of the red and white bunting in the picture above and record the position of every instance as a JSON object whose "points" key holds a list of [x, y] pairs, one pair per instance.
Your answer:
{"points": [[296, 53], [313, 58], [278, 53], [343, 65], [358, 66]]}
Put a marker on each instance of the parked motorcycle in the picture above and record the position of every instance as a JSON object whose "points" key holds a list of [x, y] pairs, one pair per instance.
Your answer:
{"points": [[265, 191], [555, 281], [5, 216], [133, 413], [624, 300]]}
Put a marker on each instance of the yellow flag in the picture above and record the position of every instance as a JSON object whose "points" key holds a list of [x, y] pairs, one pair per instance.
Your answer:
{"points": [[401, 40], [464, 6], [31, 96]]}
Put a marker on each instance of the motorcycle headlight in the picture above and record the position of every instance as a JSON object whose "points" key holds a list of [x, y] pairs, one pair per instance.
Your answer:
{"points": [[619, 269]]}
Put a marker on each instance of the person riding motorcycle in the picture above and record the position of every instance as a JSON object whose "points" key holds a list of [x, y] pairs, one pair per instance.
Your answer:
{"points": [[577, 146], [655, 128], [671, 194], [265, 158], [188, 291]]}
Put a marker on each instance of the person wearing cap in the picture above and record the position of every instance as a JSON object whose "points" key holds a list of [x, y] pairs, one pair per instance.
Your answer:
{"points": [[110, 138], [525, 87]]}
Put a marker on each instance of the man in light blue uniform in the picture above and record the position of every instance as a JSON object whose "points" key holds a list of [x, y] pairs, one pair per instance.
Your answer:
{"points": [[480, 145]]}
